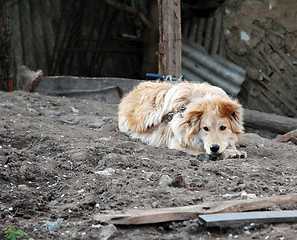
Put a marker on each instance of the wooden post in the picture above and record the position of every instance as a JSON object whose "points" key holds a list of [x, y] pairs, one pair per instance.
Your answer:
{"points": [[6, 73], [170, 38]]}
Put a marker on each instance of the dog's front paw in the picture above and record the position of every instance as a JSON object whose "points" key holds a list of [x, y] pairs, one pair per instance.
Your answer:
{"points": [[233, 153]]}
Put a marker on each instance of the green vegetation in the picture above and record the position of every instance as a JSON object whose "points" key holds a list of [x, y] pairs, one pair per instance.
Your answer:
{"points": [[13, 234]]}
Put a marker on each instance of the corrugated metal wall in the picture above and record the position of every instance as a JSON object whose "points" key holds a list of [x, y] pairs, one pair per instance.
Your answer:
{"points": [[198, 65], [203, 53]]}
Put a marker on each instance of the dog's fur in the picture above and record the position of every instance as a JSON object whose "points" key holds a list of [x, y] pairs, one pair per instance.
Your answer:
{"points": [[190, 117]]}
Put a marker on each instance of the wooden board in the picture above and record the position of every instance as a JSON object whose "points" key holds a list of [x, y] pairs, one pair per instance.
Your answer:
{"points": [[158, 215], [53, 84]]}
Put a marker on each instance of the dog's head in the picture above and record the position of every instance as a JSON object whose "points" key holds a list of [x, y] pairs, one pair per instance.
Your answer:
{"points": [[210, 124]]}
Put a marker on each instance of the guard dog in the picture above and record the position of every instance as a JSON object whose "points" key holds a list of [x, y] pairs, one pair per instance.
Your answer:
{"points": [[196, 118]]}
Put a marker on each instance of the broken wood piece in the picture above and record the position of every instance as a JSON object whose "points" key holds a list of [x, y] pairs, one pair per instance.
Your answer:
{"points": [[27, 79], [227, 219], [268, 121], [290, 136], [158, 215]]}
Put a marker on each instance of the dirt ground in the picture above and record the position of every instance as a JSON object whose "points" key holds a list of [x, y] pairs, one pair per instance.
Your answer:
{"points": [[53, 153]]}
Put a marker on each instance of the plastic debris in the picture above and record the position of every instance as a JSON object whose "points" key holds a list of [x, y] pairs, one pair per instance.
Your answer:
{"points": [[52, 226]]}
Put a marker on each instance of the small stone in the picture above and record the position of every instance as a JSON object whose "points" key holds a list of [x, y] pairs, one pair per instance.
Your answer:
{"points": [[150, 175], [108, 128], [23, 187], [203, 157], [165, 180], [155, 204], [108, 232], [194, 162], [178, 181], [97, 123]]}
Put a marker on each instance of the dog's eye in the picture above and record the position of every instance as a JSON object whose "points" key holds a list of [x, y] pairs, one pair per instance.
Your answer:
{"points": [[182, 109], [170, 116], [222, 128], [206, 129]]}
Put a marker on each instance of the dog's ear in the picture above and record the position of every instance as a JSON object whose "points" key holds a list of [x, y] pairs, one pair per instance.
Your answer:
{"points": [[194, 112], [232, 110]]}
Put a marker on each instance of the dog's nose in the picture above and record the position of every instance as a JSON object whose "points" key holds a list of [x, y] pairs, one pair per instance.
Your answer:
{"points": [[214, 148]]}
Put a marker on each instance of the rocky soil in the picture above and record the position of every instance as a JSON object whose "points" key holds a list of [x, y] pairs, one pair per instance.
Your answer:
{"points": [[63, 160]]}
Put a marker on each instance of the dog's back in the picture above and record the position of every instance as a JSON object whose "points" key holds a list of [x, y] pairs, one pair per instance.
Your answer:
{"points": [[142, 107]]}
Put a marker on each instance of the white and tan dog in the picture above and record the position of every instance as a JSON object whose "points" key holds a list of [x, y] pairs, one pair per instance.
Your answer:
{"points": [[191, 117]]}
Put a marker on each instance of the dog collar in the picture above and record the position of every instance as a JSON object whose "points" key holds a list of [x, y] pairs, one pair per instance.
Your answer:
{"points": [[169, 116]]}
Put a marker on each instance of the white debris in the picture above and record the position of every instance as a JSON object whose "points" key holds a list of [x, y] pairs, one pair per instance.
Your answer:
{"points": [[106, 172], [244, 36], [242, 195], [81, 191], [74, 110], [96, 226]]}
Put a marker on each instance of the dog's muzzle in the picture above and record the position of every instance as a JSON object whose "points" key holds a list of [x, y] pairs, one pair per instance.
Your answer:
{"points": [[214, 150]]}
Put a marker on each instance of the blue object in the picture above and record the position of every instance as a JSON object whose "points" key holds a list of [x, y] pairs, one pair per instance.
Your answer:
{"points": [[52, 226], [168, 77], [154, 75]]}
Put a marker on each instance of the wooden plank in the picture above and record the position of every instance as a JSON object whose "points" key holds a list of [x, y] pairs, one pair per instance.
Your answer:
{"points": [[112, 94], [170, 40], [158, 215], [56, 84], [271, 122], [227, 219]]}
